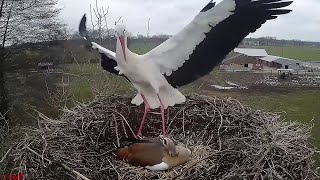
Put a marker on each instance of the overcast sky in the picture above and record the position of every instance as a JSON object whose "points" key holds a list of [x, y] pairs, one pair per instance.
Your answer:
{"points": [[169, 16]]}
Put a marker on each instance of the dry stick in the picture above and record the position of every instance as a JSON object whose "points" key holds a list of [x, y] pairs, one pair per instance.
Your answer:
{"points": [[63, 165], [184, 133], [124, 120], [114, 168], [5, 156], [116, 129], [124, 129]]}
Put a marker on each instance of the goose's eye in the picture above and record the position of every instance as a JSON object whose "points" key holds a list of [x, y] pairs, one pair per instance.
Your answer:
{"points": [[165, 142]]}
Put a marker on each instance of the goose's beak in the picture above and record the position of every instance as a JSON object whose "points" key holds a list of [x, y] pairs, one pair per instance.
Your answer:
{"points": [[123, 45]]}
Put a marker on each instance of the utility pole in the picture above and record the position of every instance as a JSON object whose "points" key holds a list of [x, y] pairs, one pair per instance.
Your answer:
{"points": [[148, 33]]}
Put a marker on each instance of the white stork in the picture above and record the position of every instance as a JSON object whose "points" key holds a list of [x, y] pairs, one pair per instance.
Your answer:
{"points": [[190, 54]]}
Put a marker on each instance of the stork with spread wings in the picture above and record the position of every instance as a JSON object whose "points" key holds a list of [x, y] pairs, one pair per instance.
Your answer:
{"points": [[190, 54]]}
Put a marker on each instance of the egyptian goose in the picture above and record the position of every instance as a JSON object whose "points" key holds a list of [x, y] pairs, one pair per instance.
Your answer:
{"points": [[154, 154]]}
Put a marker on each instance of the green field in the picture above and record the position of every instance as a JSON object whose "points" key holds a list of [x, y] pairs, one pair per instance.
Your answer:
{"points": [[142, 48], [88, 80], [298, 53]]}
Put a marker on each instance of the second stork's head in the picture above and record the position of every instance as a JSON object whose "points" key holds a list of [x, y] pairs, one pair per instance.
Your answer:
{"points": [[121, 34]]}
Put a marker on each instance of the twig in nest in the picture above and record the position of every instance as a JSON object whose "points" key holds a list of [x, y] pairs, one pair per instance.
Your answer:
{"points": [[63, 165], [5, 155], [116, 130], [114, 168], [125, 120]]}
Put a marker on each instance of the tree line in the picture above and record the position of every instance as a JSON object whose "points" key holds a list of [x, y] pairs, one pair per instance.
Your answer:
{"points": [[23, 21]]}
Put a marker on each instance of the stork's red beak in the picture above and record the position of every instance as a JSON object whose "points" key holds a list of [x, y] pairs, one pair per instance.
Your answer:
{"points": [[123, 45]]}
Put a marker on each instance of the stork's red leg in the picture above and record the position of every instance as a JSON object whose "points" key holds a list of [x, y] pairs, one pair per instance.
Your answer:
{"points": [[168, 115], [162, 117], [146, 110]]}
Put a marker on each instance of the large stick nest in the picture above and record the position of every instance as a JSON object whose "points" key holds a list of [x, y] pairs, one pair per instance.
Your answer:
{"points": [[228, 140]]}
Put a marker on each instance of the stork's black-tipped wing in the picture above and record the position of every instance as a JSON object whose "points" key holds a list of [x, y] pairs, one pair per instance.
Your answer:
{"points": [[83, 27], [108, 58], [210, 5], [214, 32]]}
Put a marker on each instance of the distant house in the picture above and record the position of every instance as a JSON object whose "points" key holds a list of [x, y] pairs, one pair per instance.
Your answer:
{"points": [[45, 65]]}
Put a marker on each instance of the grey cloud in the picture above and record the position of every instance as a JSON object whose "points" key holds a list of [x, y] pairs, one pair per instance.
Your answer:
{"points": [[169, 16]]}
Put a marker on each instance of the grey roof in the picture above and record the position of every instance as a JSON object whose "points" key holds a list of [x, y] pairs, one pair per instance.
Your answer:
{"points": [[270, 58], [251, 52], [279, 59]]}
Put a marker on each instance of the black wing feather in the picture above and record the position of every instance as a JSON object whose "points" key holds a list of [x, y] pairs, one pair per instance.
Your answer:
{"points": [[225, 36], [107, 63], [83, 28], [210, 5]]}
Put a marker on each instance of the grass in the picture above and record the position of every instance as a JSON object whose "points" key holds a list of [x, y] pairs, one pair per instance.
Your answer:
{"points": [[87, 80], [299, 106], [299, 53], [142, 48]]}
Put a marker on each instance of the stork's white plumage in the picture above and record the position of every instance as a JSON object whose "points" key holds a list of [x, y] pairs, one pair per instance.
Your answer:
{"points": [[188, 55]]}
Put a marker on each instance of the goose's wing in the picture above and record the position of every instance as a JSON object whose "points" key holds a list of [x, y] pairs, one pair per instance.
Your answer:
{"points": [[210, 36]]}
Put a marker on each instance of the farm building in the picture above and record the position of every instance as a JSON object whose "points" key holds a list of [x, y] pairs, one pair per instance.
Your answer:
{"points": [[244, 59], [281, 62]]}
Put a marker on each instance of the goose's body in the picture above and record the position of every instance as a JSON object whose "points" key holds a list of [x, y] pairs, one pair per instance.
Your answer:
{"points": [[188, 55], [155, 154]]}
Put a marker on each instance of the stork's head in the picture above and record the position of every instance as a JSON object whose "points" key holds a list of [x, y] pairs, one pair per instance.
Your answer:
{"points": [[121, 34], [120, 30]]}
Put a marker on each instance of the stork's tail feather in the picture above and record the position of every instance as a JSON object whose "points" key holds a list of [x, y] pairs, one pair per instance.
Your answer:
{"points": [[169, 97]]}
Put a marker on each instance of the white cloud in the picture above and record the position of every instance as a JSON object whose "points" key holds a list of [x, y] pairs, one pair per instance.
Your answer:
{"points": [[169, 16]]}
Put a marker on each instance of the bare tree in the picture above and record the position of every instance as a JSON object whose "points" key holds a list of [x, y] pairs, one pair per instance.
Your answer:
{"points": [[24, 21], [101, 26]]}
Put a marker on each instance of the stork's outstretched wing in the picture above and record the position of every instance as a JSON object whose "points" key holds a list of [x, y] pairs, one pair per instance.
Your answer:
{"points": [[108, 58], [213, 33]]}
